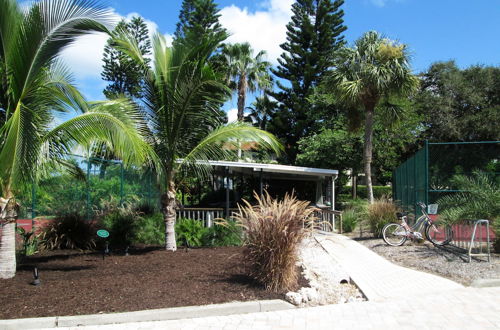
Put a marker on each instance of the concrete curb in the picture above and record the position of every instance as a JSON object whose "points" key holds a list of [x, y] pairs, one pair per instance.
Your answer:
{"points": [[486, 283], [148, 315]]}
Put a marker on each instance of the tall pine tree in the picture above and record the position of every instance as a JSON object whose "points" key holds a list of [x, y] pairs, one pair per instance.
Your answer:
{"points": [[199, 19], [313, 36], [123, 73]]}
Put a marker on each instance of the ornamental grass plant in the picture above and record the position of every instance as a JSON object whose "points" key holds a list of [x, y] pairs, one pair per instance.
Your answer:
{"points": [[273, 230], [380, 213]]}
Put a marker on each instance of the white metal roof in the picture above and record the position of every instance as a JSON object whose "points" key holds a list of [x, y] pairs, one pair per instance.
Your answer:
{"points": [[277, 168]]}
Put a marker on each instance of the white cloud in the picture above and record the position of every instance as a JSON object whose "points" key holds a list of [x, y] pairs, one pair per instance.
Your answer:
{"points": [[232, 115], [382, 3], [264, 29], [84, 56]]}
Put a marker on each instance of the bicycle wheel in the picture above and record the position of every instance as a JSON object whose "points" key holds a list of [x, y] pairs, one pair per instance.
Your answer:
{"points": [[394, 234], [438, 233]]}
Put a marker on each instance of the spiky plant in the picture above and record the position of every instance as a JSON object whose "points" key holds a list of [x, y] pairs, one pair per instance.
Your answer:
{"points": [[479, 199], [273, 231]]}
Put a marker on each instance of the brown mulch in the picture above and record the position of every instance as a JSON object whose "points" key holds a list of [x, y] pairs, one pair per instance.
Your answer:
{"points": [[75, 283]]}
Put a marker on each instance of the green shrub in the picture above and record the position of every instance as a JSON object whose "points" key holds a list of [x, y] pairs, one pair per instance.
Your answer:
{"points": [[189, 232], [224, 233], [122, 226], [150, 230], [273, 232], [479, 199], [30, 242], [69, 231], [350, 220], [380, 213], [378, 192]]}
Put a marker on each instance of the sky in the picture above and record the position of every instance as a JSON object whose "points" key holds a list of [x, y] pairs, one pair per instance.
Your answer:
{"points": [[467, 31]]}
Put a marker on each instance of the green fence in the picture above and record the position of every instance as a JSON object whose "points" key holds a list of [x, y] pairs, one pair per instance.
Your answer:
{"points": [[94, 183], [426, 175]]}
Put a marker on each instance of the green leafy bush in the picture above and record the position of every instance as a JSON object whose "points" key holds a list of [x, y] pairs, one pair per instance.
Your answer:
{"points": [[150, 229], [122, 226], [378, 192], [69, 231], [380, 213], [223, 233], [479, 199], [273, 232], [190, 232], [30, 242], [354, 213]]}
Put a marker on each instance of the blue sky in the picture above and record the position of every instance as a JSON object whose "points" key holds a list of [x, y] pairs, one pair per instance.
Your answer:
{"points": [[435, 30]]}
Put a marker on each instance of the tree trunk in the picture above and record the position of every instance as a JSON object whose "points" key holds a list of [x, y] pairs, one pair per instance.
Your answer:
{"points": [[8, 217], [368, 150], [242, 88], [169, 206], [354, 185]]}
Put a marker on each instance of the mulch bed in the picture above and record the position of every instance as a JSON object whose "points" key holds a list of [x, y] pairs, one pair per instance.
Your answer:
{"points": [[78, 283]]}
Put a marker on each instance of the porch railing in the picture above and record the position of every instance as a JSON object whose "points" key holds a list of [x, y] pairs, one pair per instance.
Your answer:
{"points": [[328, 220]]}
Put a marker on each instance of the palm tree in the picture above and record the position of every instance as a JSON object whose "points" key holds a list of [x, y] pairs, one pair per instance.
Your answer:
{"points": [[245, 72], [34, 88], [183, 94], [261, 111], [375, 69]]}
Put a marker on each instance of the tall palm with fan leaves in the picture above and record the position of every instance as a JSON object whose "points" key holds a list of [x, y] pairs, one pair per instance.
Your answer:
{"points": [[246, 73], [183, 94], [35, 88], [376, 69]]}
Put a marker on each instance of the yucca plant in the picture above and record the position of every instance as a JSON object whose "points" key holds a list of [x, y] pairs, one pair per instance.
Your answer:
{"points": [[273, 230], [479, 199], [35, 87]]}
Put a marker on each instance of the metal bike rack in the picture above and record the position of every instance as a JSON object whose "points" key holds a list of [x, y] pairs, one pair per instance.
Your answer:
{"points": [[480, 243]]}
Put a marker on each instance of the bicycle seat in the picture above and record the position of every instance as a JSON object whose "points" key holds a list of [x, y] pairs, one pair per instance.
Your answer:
{"points": [[401, 214]]}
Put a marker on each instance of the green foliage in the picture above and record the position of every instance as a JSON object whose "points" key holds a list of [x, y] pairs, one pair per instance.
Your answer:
{"points": [[460, 105], [125, 75], [199, 19], [350, 220], [224, 233], [69, 231], [150, 229], [273, 231], [30, 242], [190, 233], [121, 223], [380, 213], [378, 191], [314, 35], [245, 72]]}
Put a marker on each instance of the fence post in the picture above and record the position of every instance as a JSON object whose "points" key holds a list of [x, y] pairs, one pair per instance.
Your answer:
{"points": [[121, 183], [88, 188], [426, 146]]}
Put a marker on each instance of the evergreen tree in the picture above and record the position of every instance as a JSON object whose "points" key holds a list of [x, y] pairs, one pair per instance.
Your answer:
{"points": [[125, 75], [313, 36], [199, 19]]}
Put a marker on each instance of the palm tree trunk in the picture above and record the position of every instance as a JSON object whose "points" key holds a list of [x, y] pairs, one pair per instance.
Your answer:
{"points": [[169, 207], [242, 88], [8, 217], [368, 150]]}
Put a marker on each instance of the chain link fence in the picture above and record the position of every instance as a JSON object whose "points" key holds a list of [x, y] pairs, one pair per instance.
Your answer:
{"points": [[426, 176]]}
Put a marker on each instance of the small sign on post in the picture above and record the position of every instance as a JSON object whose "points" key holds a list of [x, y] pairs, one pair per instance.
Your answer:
{"points": [[102, 233]]}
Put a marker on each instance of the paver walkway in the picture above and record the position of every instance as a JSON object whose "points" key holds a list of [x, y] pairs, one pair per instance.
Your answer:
{"points": [[466, 308], [378, 278], [400, 298]]}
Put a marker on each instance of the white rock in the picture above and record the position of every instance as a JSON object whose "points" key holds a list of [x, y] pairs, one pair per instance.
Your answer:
{"points": [[294, 298]]}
